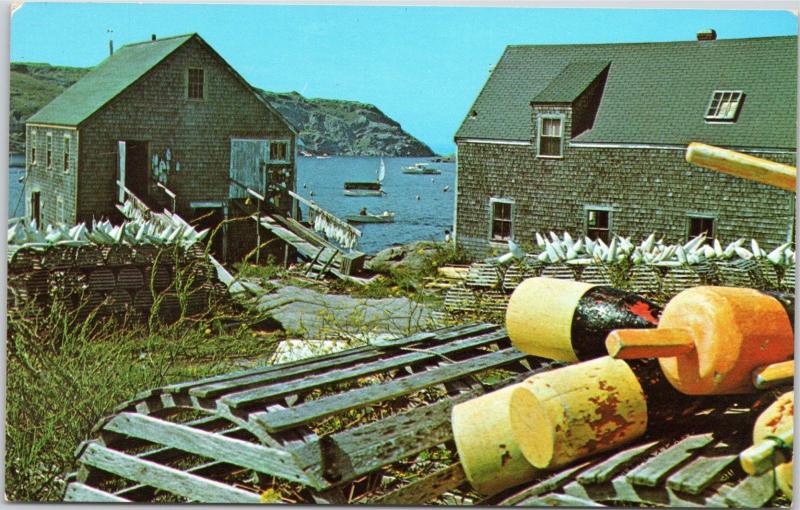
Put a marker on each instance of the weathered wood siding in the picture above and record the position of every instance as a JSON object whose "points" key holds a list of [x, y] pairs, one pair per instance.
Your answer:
{"points": [[53, 183], [197, 132], [650, 190]]}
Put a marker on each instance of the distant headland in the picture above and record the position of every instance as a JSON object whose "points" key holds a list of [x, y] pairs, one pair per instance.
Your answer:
{"points": [[325, 126]]}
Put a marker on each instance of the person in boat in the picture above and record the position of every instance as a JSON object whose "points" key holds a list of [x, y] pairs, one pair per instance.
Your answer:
{"points": [[363, 211]]}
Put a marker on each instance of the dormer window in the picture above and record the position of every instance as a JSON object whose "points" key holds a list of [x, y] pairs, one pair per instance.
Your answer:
{"points": [[724, 105], [550, 135]]}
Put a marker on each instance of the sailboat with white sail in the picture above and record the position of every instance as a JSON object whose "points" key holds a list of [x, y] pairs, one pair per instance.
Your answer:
{"points": [[367, 189]]}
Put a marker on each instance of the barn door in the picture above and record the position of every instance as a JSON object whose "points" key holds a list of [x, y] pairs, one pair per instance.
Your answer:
{"points": [[248, 158]]}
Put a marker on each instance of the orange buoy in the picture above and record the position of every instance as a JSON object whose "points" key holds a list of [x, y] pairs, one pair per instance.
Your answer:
{"points": [[568, 321], [710, 339]]}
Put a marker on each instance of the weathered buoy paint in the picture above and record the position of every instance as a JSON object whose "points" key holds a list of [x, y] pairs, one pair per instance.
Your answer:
{"points": [[571, 412], [488, 453], [569, 321]]}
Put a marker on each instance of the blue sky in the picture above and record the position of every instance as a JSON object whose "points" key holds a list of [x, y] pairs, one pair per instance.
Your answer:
{"points": [[423, 66]]}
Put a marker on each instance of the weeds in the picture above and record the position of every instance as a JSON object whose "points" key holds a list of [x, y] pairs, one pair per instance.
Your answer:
{"points": [[64, 373]]}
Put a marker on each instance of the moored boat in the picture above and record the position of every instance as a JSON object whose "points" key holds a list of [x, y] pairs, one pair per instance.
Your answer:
{"points": [[421, 169], [385, 217], [367, 189]]}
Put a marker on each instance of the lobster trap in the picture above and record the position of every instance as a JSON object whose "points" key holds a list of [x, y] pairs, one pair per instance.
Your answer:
{"points": [[372, 425]]}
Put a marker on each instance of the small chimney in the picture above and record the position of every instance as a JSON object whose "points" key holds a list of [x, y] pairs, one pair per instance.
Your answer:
{"points": [[708, 34], [152, 37], [110, 47]]}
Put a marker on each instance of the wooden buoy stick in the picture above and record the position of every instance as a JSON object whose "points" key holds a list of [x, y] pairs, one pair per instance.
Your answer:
{"points": [[768, 453], [710, 339], [648, 343], [486, 448], [742, 165], [773, 375]]}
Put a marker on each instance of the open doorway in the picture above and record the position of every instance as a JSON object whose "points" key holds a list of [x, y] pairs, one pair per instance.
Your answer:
{"points": [[136, 167]]}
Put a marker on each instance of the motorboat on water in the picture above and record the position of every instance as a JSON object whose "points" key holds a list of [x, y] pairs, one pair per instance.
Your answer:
{"points": [[367, 189], [421, 169], [385, 217]]}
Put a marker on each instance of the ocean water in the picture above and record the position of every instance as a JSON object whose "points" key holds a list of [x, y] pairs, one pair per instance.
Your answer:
{"points": [[423, 211]]}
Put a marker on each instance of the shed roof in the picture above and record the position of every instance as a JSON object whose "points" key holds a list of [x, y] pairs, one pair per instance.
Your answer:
{"points": [[655, 93], [106, 81], [570, 82]]}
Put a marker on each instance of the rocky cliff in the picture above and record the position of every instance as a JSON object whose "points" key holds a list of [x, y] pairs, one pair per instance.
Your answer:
{"points": [[325, 126]]}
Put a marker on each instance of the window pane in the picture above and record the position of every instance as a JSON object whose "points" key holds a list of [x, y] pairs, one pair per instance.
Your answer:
{"points": [[550, 146], [699, 226], [551, 127]]}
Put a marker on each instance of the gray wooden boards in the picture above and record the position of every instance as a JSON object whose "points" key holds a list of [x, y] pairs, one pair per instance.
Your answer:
{"points": [[363, 425], [691, 463]]}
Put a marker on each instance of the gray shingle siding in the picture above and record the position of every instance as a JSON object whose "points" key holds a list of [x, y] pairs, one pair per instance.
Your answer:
{"points": [[650, 190]]}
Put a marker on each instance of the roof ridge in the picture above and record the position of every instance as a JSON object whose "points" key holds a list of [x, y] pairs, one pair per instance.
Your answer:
{"points": [[652, 43], [190, 34]]}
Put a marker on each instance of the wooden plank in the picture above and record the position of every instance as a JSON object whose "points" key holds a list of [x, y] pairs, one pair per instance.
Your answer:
{"points": [[699, 474], [213, 446], [244, 398], [275, 421], [652, 472], [191, 487], [753, 491], [348, 454], [602, 472], [214, 389], [230, 376], [552, 483], [85, 494], [211, 387], [424, 490], [558, 500]]}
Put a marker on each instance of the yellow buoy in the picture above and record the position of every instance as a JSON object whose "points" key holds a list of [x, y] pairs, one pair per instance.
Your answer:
{"points": [[571, 412], [487, 451]]}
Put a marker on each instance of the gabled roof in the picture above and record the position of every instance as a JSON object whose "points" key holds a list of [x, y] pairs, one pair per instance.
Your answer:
{"points": [[655, 93], [568, 85], [118, 72], [106, 81]]}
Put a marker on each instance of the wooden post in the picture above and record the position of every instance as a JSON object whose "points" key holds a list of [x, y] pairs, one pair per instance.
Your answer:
{"points": [[742, 165]]}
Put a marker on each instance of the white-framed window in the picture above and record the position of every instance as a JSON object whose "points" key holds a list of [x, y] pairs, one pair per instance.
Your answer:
{"points": [[549, 141], [699, 223], [67, 139], [33, 146], [49, 151], [279, 151], [501, 219], [195, 83], [724, 105], [597, 224]]}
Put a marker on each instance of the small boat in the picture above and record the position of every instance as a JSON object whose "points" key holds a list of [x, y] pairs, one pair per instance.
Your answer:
{"points": [[421, 169], [386, 217], [367, 189], [323, 156]]}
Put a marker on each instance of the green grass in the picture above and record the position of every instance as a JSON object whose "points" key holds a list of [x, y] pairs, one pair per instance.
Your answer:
{"points": [[63, 375]]}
